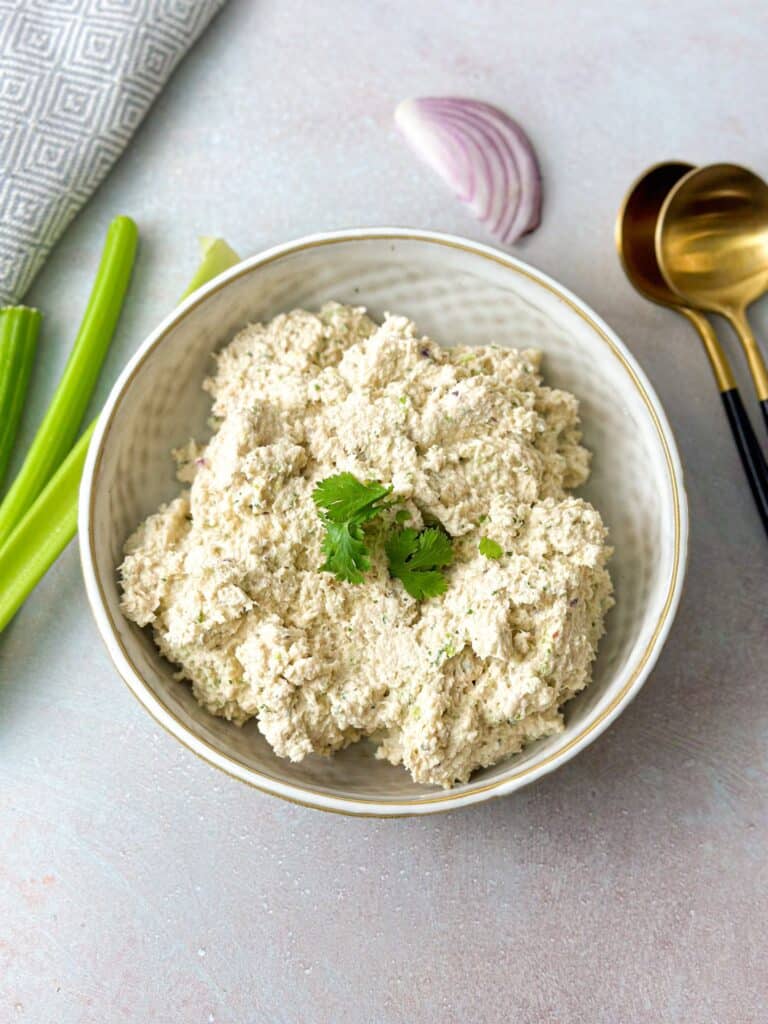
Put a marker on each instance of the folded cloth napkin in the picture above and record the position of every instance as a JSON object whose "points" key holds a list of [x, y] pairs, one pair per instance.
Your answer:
{"points": [[76, 79]]}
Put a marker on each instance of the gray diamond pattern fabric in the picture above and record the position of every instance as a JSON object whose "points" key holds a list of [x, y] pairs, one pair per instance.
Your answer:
{"points": [[76, 79]]}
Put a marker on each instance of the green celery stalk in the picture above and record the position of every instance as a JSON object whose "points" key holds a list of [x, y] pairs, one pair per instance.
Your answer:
{"points": [[19, 326], [216, 257], [43, 533], [62, 420], [51, 522]]}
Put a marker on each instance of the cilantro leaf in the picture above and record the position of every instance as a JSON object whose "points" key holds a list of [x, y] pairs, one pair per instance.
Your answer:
{"points": [[344, 505], [346, 555], [416, 559], [344, 498], [490, 548]]}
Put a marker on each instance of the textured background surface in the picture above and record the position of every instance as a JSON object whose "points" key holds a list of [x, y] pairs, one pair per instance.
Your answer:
{"points": [[136, 883]]}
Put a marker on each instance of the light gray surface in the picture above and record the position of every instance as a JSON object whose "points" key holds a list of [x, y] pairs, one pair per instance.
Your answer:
{"points": [[136, 883]]}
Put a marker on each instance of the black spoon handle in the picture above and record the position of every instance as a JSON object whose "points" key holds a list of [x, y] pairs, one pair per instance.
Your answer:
{"points": [[751, 453], [764, 407]]}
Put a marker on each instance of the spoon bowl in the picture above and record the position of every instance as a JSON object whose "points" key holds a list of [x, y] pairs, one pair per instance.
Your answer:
{"points": [[712, 237], [636, 230], [712, 248]]}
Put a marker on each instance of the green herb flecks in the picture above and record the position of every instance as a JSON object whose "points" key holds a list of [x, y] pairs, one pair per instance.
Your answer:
{"points": [[489, 548]]}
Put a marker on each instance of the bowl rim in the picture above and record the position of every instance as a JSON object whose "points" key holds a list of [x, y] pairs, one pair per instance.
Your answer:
{"points": [[635, 674]]}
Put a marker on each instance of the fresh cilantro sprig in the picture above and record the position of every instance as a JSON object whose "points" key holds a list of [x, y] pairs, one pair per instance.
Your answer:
{"points": [[345, 504], [417, 558]]}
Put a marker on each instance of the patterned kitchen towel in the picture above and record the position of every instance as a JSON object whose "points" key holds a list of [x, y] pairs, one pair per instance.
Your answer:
{"points": [[76, 79]]}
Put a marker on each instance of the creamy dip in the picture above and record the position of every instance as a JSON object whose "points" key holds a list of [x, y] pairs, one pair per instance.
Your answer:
{"points": [[227, 574]]}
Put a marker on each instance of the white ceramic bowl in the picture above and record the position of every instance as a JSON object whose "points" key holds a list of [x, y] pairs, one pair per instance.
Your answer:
{"points": [[457, 291]]}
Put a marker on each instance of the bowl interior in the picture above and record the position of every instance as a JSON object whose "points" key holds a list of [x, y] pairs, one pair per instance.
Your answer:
{"points": [[457, 295]]}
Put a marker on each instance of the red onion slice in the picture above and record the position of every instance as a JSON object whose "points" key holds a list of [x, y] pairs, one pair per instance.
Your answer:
{"points": [[485, 157]]}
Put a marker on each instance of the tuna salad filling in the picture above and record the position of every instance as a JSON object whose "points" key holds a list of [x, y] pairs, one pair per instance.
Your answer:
{"points": [[232, 574]]}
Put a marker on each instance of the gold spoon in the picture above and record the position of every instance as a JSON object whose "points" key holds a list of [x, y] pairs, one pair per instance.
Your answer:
{"points": [[636, 228], [712, 248]]}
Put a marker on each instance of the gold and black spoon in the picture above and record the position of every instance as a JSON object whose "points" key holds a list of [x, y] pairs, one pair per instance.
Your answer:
{"points": [[712, 250], [635, 240]]}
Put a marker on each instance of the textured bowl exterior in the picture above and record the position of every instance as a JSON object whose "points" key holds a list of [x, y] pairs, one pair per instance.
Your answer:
{"points": [[458, 292]]}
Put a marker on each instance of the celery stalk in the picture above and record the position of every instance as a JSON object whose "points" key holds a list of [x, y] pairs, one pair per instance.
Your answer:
{"points": [[61, 422], [43, 533], [216, 257], [18, 340], [50, 524]]}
